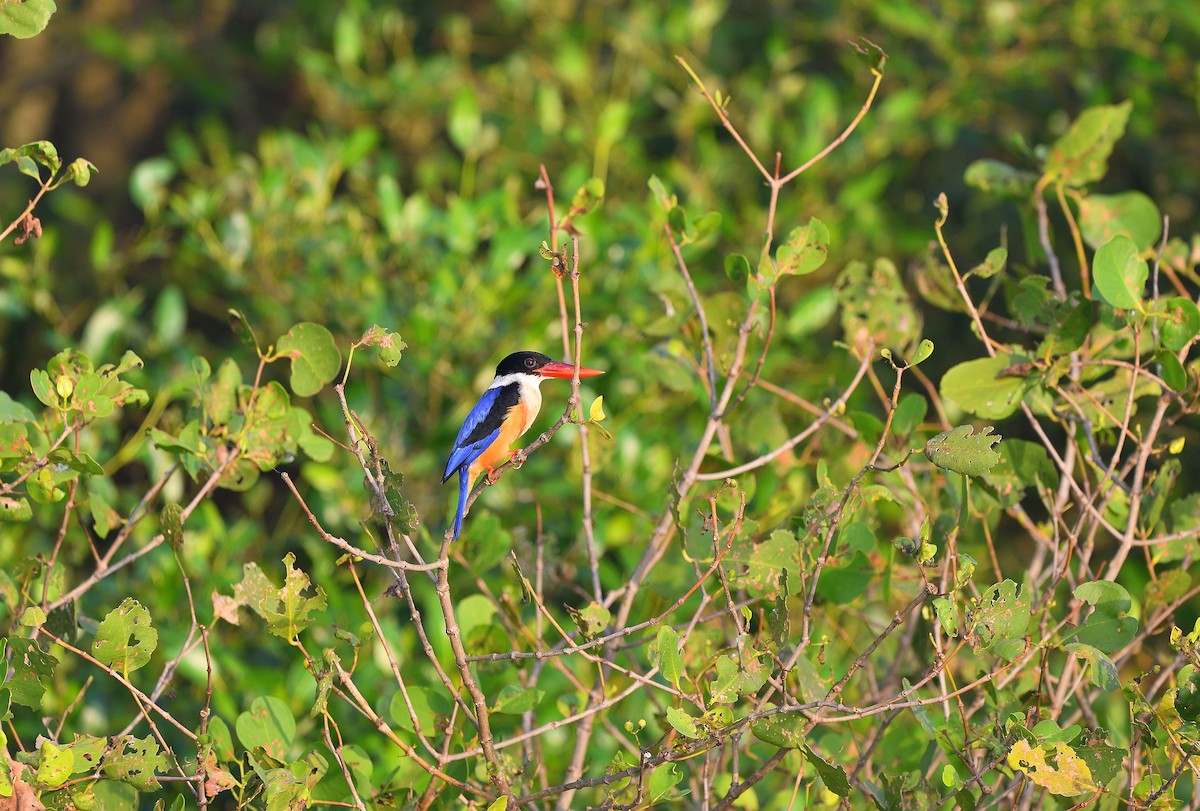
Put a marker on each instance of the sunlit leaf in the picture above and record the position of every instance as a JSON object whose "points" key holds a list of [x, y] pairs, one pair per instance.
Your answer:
{"points": [[1120, 273], [962, 451], [1067, 777], [986, 387], [315, 357], [1080, 155], [126, 638]]}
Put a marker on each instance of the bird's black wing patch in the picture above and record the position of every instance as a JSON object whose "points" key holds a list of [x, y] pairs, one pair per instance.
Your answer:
{"points": [[507, 397]]}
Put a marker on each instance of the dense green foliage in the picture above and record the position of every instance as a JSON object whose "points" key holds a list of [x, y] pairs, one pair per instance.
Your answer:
{"points": [[883, 501]]}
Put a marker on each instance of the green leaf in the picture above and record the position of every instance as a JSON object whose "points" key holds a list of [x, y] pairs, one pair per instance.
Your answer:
{"points": [[315, 357], [591, 620], [871, 54], [805, 250], [962, 451], [834, 777], [1120, 274], [135, 762], [924, 350], [1080, 155], [27, 18], [15, 510], [842, 585], [514, 699], [170, 521], [80, 172], [670, 658], [430, 706], [661, 196], [736, 679], [32, 617], [785, 730], [876, 305], [662, 782], [286, 610], [80, 463], [737, 267], [1130, 214], [126, 638], [760, 566], [269, 724], [997, 177], [683, 723], [12, 411], [1180, 323], [999, 614], [465, 120], [54, 766], [1187, 697], [1172, 371], [985, 387], [30, 670], [1104, 672], [43, 389], [947, 614], [587, 197], [992, 264], [724, 688], [1105, 762], [389, 344], [1108, 627]]}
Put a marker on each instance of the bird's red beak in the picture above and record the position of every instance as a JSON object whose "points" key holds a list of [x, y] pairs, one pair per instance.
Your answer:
{"points": [[566, 370]]}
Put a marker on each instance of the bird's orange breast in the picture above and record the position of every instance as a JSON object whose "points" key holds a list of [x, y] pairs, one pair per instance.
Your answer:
{"points": [[516, 422]]}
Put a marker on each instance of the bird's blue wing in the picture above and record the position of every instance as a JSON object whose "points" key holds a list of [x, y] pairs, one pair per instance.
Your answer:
{"points": [[471, 440]]}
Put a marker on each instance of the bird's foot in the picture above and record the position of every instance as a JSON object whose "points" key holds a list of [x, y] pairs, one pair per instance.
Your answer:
{"points": [[517, 457]]}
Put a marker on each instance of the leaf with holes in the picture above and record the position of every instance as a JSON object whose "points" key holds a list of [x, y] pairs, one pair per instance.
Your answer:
{"points": [[999, 613], [1068, 777], [30, 670], [126, 638], [135, 762], [389, 344], [287, 610], [961, 450], [591, 620]]}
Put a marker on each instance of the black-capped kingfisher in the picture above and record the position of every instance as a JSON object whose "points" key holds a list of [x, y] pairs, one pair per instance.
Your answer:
{"points": [[505, 411]]}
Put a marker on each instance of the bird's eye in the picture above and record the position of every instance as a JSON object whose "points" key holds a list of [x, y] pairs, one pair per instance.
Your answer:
{"points": [[529, 362]]}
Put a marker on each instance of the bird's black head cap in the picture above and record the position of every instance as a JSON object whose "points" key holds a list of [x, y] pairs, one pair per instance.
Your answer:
{"points": [[518, 362]]}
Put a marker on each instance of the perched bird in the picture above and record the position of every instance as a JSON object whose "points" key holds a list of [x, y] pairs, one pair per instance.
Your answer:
{"points": [[503, 413]]}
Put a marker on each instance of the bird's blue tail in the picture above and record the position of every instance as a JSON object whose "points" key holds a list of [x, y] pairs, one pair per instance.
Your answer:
{"points": [[464, 488]]}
